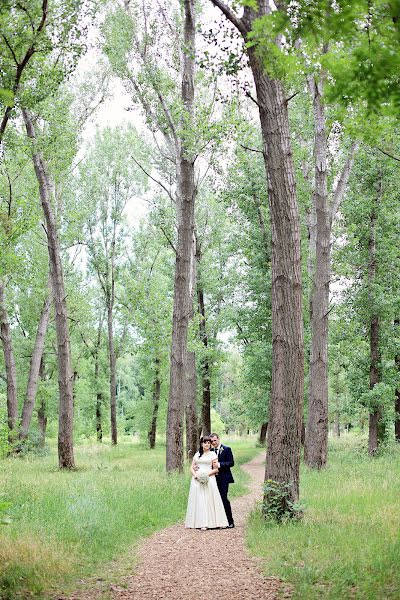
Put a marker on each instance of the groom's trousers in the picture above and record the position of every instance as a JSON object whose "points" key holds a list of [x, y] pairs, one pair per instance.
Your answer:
{"points": [[223, 487]]}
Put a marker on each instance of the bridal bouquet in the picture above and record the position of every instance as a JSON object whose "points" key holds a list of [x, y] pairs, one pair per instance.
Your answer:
{"points": [[203, 478]]}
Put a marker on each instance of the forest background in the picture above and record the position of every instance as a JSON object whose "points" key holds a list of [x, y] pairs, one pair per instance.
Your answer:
{"points": [[128, 241]]}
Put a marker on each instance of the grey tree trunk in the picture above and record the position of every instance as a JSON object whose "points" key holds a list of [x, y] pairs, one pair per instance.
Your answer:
{"points": [[316, 443], [191, 417], [375, 359], [11, 372], [112, 362], [34, 368], [191, 375], [99, 395], [66, 408], [286, 403], [183, 301], [263, 434], [42, 412], [156, 403], [205, 423]]}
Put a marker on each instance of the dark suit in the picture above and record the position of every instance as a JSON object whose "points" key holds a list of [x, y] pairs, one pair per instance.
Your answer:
{"points": [[224, 478]]}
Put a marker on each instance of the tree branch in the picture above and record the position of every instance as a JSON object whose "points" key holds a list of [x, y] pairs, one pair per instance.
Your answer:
{"points": [[168, 239], [342, 183], [252, 149], [389, 155], [230, 15], [155, 180]]}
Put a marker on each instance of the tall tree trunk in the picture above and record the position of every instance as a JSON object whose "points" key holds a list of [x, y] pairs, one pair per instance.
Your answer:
{"points": [[191, 375], [66, 408], [183, 264], [11, 372], [34, 369], [283, 455], [397, 402], [42, 412], [316, 443], [156, 403], [374, 369], [263, 434], [112, 363], [286, 403], [205, 423], [191, 417], [99, 395], [111, 350]]}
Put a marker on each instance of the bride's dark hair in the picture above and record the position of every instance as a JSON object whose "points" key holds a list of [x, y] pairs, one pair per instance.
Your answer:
{"points": [[205, 438]]}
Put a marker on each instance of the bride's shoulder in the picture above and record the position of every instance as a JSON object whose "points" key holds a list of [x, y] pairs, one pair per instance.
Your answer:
{"points": [[196, 456]]}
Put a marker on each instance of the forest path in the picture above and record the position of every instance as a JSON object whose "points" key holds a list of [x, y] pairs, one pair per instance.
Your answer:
{"points": [[187, 564]]}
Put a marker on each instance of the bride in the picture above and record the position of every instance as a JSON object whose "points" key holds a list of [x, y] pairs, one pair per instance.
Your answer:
{"points": [[205, 509]]}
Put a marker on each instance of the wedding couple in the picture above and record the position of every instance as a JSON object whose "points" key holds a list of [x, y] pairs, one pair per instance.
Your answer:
{"points": [[208, 504]]}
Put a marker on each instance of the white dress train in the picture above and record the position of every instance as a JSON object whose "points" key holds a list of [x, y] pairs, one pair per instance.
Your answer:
{"points": [[205, 508]]}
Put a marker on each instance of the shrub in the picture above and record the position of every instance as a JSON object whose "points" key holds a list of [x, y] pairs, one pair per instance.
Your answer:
{"points": [[277, 504]]}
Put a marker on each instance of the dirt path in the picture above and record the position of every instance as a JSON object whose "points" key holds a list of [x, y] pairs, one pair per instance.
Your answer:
{"points": [[187, 564]]}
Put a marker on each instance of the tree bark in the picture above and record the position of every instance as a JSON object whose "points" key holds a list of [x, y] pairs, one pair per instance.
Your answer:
{"points": [[374, 369], [183, 302], [99, 395], [42, 413], [263, 434], [205, 424], [11, 372], [112, 362], [316, 443], [156, 402], [191, 417], [66, 408], [286, 403], [34, 369]]}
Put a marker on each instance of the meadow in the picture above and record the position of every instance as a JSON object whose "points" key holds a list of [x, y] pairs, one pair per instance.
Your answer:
{"points": [[71, 527], [348, 543]]}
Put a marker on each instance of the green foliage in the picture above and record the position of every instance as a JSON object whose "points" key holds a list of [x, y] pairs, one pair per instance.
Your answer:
{"points": [[347, 544], [277, 504]]}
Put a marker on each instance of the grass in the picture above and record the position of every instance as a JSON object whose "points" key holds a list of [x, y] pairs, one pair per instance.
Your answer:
{"points": [[348, 544], [72, 525]]}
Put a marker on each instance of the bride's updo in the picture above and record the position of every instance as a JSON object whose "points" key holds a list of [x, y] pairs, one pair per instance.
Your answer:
{"points": [[204, 438]]}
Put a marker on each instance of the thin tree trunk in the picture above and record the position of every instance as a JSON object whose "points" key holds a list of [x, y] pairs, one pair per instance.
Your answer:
{"points": [[191, 418], [66, 408], [397, 402], [156, 402], [263, 434], [111, 349], [316, 443], [34, 369], [374, 369], [205, 424], [99, 395], [42, 413], [183, 265], [113, 389], [191, 375], [11, 372]]}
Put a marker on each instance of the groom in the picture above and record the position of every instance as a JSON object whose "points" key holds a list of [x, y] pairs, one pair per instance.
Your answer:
{"points": [[223, 461]]}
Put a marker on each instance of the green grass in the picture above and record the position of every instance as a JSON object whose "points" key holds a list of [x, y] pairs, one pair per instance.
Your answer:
{"points": [[72, 525], [348, 544]]}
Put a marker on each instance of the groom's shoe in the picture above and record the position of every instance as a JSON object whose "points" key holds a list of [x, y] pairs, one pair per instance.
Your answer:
{"points": [[231, 526]]}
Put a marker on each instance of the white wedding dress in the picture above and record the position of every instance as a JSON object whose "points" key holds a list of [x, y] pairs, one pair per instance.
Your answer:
{"points": [[205, 508]]}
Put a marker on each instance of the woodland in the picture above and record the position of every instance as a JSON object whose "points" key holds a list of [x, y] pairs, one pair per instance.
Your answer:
{"points": [[199, 231]]}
